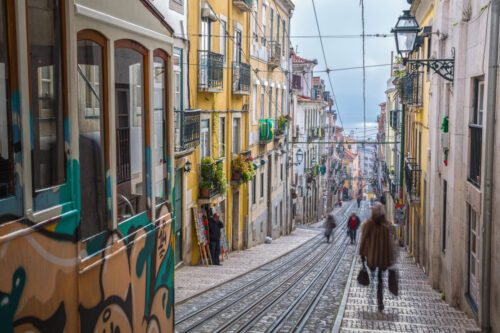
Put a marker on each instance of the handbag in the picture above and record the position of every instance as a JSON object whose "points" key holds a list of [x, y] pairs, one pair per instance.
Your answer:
{"points": [[363, 278], [393, 281]]}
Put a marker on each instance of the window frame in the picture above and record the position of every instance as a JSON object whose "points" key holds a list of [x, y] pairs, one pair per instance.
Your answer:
{"points": [[101, 40], [236, 135], [223, 39], [13, 202], [136, 46]]}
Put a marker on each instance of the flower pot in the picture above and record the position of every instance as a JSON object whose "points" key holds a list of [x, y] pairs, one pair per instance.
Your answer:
{"points": [[236, 176], [204, 192]]}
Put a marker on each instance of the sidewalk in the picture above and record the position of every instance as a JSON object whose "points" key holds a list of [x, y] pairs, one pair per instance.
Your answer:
{"points": [[193, 280], [418, 308]]}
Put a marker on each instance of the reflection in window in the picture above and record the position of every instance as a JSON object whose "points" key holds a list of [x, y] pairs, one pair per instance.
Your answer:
{"points": [[45, 51], [6, 187], [160, 135], [91, 140], [130, 134]]}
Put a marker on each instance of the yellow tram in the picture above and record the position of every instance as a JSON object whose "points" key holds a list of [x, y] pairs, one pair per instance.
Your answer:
{"points": [[86, 132]]}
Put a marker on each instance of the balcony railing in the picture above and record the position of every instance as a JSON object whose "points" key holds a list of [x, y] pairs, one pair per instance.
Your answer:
{"points": [[266, 129], [412, 179], [274, 50], [476, 138], [313, 133], [243, 5], [187, 129], [241, 78], [412, 88], [211, 71], [209, 179]]}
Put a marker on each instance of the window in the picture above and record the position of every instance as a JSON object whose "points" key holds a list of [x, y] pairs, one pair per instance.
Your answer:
{"points": [[262, 111], [445, 190], [276, 104], [262, 185], [271, 23], [92, 132], [270, 102], [476, 133], [130, 76], [205, 138], [256, 22], [254, 104], [6, 144], [283, 39], [237, 46], [222, 136], [264, 23], [254, 190], [46, 85], [473, 276], [223, 39], [206, 35], [278, 21], [282, 110], [281, 171], [178, 80], [160, 63], [236, 136]]}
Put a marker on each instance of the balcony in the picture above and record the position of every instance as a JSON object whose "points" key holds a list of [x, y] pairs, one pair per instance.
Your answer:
{"points": [[209, 185], [266, 130], [413, 88], [476, 138], [274, 51], [312, 134], [412, 179], [187, 129], [210, 71], [241, 78], [243, 5]]}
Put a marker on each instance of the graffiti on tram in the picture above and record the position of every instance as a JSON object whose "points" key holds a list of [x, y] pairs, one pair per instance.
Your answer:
{"points": [[124, 283]]}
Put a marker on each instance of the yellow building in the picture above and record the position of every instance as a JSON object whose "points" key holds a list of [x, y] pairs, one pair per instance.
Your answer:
{"points": [[415, 90], [219, 88]]}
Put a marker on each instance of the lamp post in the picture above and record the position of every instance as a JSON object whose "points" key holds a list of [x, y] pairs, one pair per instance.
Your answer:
{"points": [[406, 33], [299, 156]]}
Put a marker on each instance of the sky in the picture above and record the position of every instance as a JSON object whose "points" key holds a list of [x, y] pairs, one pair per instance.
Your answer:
{"points": [[343, 17]]}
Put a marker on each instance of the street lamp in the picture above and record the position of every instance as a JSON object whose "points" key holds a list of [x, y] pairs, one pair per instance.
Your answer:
{"points": [[187, 166], [406, 33], [299, 156]]}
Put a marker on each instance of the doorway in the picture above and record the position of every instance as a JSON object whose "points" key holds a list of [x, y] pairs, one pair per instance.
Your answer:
{"points": [[235, 229], [473, 286]]}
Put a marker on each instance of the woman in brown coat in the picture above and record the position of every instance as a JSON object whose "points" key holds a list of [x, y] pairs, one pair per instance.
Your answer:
{"points": [[376, 246]]}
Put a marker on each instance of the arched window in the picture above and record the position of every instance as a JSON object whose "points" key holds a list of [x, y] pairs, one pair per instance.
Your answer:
{"points": [[160, 118], [93, 135], [131, 107]]}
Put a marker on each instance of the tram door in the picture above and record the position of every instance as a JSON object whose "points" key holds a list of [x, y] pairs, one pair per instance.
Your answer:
{"points": [[178, 217]]}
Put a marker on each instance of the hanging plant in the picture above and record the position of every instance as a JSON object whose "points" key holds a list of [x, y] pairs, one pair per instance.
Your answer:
{"points": [[444, 124]]}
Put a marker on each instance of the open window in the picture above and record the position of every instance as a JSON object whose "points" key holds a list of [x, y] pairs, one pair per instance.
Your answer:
{"points": [[92, 124], [130, 111]]}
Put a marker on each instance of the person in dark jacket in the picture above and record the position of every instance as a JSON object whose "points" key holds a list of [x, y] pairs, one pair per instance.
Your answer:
{"points": [[376, 246], [353, 223], [329, 225], [214, 226]]}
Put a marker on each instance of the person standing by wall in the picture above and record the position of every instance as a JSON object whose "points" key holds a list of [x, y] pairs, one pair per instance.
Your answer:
{"points": [[353, 223], [214, 226], [376, 246]]}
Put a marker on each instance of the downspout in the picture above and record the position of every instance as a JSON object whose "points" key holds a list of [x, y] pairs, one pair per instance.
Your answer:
{"points": [[489, 135]]}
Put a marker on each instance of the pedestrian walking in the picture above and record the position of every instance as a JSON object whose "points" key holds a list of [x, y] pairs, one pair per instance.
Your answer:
{"points": [[214, 226], [359, 200], [376, 246], [329, 226], [353, 223]]}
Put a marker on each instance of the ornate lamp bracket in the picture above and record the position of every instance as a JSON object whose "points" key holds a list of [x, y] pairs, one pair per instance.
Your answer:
{"points": [[443, 67]]}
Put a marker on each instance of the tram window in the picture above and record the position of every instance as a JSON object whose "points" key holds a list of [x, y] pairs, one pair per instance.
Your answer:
{"points": [[92, 135], [130, 133], [46, 78], [6, 178], [160, 135]]}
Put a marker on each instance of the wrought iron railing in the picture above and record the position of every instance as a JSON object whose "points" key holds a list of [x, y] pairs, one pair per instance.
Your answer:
{"points": [[413, 88], [209, 186], [476, 138], [266, 130], [313, 133], [241, 78], [274, 50], [211, 71], [187, 129], [412, 179]]}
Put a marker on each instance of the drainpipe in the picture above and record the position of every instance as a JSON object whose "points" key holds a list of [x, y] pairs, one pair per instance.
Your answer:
{"points": [[489, 137]]}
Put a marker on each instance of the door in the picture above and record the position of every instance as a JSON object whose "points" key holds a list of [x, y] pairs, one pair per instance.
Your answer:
{"points": [[236, 221], [178, 217], [473, 256]]}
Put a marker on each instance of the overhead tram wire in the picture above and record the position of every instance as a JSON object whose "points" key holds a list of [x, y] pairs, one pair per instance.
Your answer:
{"points": [[362, 3], [305, 36], [326, 64]]}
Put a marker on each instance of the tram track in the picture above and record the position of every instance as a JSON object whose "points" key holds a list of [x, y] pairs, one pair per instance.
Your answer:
{"points": [[254, 286]]}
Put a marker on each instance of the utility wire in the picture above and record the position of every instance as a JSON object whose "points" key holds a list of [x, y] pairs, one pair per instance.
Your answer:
{"points": [[300, 36], [362, 3]]}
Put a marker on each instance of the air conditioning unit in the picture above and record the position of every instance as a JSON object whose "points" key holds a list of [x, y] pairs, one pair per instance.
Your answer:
{"points": [[445, 140]]}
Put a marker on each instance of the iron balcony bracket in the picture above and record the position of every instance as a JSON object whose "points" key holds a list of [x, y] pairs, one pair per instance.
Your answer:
{"points": [[442, 67]]}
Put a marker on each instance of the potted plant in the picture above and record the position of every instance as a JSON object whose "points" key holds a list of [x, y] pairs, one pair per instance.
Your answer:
{"points": [[283, 122], [207, 171], [242, 169], [205, 187]]}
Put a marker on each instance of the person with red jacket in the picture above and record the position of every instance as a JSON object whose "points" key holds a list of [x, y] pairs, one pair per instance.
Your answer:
{"points": [[353, 223]]}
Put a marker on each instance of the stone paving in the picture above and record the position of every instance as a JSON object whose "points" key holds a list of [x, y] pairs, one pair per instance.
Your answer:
{"points": [[193, 280], [418, 308]]}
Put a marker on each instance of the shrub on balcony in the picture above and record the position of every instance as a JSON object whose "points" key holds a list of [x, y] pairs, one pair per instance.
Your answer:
{"points": [[283, 123], [213, 175], [242, 169]]}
